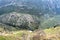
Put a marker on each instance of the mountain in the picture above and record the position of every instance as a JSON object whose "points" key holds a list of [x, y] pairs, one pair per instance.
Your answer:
{"points": [[35, 7], [42, 9]]}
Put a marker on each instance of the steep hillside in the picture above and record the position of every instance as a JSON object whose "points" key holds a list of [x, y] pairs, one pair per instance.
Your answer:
{"points": [[51, 22]]}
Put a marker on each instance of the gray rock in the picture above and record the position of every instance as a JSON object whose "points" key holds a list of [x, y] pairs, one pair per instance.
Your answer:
{"points": [[22, 21]]}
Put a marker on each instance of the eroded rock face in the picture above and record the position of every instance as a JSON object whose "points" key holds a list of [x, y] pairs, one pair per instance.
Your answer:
{"points": [[24, 21]]}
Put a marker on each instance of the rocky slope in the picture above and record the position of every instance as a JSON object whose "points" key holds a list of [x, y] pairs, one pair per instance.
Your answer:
{"points": [[20, 20]]}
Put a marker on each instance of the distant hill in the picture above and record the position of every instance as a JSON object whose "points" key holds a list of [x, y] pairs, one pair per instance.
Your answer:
{"points": [[36, 7]]}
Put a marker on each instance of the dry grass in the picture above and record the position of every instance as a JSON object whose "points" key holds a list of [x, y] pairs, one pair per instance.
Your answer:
{"points": [[47, 34]]}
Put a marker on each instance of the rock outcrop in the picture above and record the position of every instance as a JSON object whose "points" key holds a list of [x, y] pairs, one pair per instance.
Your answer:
{"points": [[19, 20]]}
